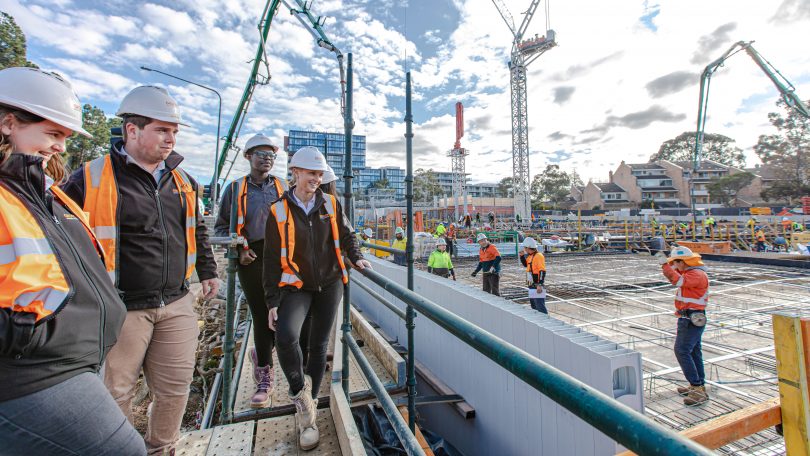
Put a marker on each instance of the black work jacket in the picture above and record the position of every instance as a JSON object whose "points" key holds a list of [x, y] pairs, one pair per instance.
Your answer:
{"points": [[77, 336], [151, 233], [314, 248]]}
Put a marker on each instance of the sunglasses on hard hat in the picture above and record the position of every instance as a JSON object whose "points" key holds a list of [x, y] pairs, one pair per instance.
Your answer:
{"points": [[265, 154]]}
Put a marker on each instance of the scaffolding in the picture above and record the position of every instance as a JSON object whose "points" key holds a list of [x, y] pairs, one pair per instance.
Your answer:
{"points": [[625, 298]]}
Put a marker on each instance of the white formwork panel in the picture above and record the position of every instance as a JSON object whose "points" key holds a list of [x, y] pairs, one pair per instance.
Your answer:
{"points": [[566, 423], [534, 402], [580, 368]]}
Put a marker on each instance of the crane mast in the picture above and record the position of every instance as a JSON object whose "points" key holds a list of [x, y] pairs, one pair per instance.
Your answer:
{"points": [[458, 156], [524, 52]]}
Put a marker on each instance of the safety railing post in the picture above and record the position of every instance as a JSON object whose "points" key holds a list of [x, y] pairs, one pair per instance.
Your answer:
{"points": [[230, 299], [410, 314], [348, 126]]}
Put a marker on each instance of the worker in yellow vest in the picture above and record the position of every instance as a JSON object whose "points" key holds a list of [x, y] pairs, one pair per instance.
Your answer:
{"points": [[59, 313], [255, 193], [400, 243], [143, 207], [306, 237], [439, 262]]}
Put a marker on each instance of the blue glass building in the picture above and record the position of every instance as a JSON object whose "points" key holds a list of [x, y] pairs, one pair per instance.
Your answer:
{"points": [[333, 145]]}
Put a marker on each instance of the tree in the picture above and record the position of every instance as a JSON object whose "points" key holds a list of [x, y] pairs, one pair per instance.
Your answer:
{"points": [[784, 152], [552, 185], [382, 183], [425, 185], [716, 147], [81, 149], [506, 188], [12, 44], [724, 189]]}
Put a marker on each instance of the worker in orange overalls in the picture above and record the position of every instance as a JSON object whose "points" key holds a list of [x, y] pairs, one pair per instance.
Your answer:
{"points": [[687, 272]]}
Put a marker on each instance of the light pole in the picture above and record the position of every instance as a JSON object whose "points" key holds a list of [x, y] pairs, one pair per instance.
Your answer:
{"points": [[215, 178]]}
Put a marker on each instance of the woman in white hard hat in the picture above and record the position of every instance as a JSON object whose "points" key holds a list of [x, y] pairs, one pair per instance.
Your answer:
{"points": [[535, 264], [329, 182], [59, 312], [686, 271], [307, 234], [255, 192], [439, 262]]}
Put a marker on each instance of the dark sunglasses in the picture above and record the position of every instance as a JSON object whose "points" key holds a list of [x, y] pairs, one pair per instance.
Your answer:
{"points": [[265, 154]]}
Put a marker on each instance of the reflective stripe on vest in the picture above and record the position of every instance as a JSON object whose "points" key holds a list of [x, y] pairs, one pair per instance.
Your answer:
{"points": [[31, 278], [286, 231], [101, 203], [241, 207]]}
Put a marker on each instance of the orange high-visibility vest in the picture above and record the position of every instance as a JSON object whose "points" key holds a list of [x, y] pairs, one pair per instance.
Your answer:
{"points": [[286, 231], [31, 278], [101, 202], [241, 191]]}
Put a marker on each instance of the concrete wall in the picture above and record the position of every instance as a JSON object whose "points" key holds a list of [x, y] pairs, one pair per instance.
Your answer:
{"points": [[592, 196], [624, 178], [511, 417]]}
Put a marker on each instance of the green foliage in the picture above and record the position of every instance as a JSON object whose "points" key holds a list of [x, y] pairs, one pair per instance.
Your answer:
{"points": [[552, 186], [716, 147], [785, 153], [506, 188], [12, 44], [81, 149], [382, 183], [724, 190], [426, 185]]}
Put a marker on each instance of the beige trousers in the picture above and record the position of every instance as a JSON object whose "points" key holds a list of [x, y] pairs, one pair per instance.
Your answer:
{"points": [[163, 342]]}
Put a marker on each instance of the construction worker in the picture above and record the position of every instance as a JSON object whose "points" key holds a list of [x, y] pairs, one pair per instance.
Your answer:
{"points": [[760, 236], [751, 223], [439, 262], [489, 260], [687, 272], [467, 221], [143, 208], [450, 237], [306, 236], [535, 264], [364, 236], [59, 313], [708, 225], [400, 242], [440, 230], [797, 227], [329, 182], [786, 224], [255, 193], [477, 219]]}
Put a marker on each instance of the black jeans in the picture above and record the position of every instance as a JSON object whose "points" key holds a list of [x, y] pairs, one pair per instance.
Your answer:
{"points": [[292, 314], [492, 283], [250, 277]]}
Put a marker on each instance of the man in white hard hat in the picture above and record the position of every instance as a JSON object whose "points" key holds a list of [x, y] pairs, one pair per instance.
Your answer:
{"points": [[400, 243], [143, 208], [255, 193], [535, 264], [686, 271], [489, 260]]}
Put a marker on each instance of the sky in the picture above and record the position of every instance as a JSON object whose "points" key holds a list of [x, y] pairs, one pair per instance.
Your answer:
{"points": [[623, 79]]}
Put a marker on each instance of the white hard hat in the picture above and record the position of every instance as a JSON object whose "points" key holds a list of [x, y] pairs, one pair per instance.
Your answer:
{"points": [[441, 241], [681, 253], [309, 157], [480, 237], [399, 230], [152, 102], [785, 219], [44, 94], [328, 175], [368, 232], [259, 140], [530, 243]]}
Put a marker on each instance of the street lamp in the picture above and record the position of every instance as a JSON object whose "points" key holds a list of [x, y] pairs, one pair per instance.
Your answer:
{"points": [[215, 178]]}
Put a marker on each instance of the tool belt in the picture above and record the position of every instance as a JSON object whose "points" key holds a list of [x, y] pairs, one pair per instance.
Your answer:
{"points": [[697, 317]]}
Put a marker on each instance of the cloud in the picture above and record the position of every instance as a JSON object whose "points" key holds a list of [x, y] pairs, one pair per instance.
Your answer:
{"points": [[140, 53], [671, 83], [707, 44], [432, 36], [791, 11], [563, 93]]}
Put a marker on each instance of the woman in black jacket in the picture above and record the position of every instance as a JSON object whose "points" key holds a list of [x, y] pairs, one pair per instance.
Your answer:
{"points": [[59, 312], [304, 271]]}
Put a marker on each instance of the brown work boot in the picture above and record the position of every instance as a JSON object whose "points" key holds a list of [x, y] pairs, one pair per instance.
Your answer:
{"points": [[696, 396], [306, 412], [684, 390]]}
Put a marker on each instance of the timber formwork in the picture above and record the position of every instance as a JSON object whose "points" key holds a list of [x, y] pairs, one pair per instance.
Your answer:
{"points": [[625, 298]]}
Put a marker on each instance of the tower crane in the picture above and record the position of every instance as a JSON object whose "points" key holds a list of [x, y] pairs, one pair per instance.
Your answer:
{"points": [[458, 156], [524, 52], [784, 87]]}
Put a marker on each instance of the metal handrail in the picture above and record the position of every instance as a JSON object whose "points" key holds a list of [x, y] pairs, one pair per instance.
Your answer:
{"points": [[619, 422], [382, 247]]}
